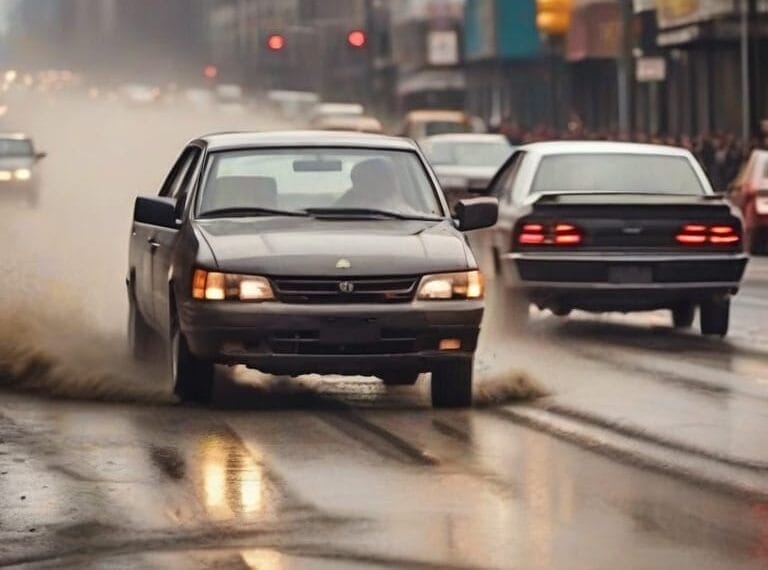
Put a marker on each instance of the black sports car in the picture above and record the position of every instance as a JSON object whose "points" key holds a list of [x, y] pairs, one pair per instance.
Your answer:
{"points": [[616, 227], [312, 252]]}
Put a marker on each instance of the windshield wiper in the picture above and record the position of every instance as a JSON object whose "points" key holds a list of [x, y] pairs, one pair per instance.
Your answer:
{"points": [[246, 212], [369, 212]]}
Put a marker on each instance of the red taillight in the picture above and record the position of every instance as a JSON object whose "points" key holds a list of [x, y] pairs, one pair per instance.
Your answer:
{"points": [[699, 234], [549, 234]]}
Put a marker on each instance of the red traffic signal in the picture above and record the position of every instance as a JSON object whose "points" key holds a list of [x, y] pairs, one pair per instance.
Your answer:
{"points": [[357, 38], [211, 71], [276, 42]]}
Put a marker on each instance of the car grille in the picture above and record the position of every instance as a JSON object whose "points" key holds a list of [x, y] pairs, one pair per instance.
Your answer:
{"points": [[345, 291]]}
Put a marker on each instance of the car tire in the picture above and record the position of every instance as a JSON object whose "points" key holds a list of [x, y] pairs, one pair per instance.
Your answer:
{"points": [[452, 384], [192, 377], [141, 337], [399, 378], [683, 315], [715, 316]]}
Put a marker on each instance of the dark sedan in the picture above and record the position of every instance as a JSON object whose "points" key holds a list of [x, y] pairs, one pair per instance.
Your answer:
{"points": [[314, 252], [616, 227]]}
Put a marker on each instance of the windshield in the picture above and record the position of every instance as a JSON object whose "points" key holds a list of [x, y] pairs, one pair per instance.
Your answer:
{"points": [[631, 173], [298, 179], [16, 147], [470, 154]]}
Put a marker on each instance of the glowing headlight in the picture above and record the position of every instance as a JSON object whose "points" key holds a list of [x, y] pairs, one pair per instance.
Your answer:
{"points": [[5, 176], [22, 174], [213, 286], [447, 286]]}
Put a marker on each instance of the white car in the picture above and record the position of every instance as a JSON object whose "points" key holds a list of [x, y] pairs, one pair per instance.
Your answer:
{"points": [[466, 162]]}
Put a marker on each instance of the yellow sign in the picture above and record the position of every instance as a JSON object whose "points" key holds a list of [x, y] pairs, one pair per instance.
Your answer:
{"points": [[677, 9]]}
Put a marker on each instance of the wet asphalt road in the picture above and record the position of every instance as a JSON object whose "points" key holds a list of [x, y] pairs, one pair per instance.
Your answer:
{"points": [[648, 452]]}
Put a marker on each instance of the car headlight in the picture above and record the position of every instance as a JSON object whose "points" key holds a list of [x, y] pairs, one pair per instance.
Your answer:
{"points": [[22, 174], [5, 176], [447, 286], [214, 286]]}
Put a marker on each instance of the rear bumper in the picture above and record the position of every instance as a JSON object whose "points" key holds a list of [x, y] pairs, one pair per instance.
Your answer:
{"points": [[624, 281], [283, 338]]}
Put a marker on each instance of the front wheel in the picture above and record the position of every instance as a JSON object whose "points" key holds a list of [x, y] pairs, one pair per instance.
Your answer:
{"points": [[192, 376], [715, 316], [683, 315], [452, 384]]}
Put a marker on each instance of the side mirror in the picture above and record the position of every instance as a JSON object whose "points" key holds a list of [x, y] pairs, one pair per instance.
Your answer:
{"points": [[477, 213], [155, 211], [40, 155]]}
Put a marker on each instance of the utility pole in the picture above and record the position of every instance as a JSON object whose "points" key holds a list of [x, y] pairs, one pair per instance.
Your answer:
{"points": [[625, 69], [746, 104]]}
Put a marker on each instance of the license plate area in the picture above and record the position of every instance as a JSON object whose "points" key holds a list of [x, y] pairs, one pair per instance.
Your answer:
{"points": [[624, 274], [349, 331]]}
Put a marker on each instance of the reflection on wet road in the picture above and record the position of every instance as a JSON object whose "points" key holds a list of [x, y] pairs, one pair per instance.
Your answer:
{"points": [[648, 451]]}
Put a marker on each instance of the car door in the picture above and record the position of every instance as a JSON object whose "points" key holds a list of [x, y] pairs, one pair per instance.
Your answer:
{"points": [[142, 252], [503, 188], [164, 239]]}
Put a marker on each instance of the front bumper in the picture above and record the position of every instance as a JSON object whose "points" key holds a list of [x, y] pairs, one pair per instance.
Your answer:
{"points": [[282, 338], [613, 280]]}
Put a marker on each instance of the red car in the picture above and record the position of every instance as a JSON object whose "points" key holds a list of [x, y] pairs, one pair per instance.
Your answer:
{"points": [[750, 193]]}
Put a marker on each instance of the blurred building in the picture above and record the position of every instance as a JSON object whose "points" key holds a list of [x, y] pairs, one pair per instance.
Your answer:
{"points": [[314, 51], [509, 71], [427, 52], [136, 38]]}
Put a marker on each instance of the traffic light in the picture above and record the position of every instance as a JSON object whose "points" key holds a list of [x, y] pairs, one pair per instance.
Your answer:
{"points": [[276, 42], [357, 38], [553, 17]]}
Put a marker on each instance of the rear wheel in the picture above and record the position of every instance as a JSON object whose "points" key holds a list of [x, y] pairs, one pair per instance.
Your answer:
{"points": [[452, 384], [140, 335], [683, 315], [399, 378], [192, 376], [715, 316]]}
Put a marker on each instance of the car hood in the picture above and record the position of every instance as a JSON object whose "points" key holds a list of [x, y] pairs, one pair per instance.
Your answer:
{"points": [[310, 247], [16, 162]]}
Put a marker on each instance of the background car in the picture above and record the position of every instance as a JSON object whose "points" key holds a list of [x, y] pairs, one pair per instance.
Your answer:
{"points": [[419, 125], [750, 192], [355, 123], [466, 163], [18, 165], [616, 227]]}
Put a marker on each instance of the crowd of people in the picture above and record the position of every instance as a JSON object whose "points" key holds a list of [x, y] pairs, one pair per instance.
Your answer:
{"points": [[720, 154]]}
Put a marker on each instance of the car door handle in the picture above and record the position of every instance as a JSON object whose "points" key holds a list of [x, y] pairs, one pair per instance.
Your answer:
{"points": [[153, 243]]}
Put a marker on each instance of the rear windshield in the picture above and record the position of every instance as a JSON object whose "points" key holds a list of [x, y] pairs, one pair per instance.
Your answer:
{"points": [[16, 147], [632, 173], [300, 178]]}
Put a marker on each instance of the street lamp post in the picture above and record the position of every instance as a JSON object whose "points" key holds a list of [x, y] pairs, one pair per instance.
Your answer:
{"points": [[746, 106]]}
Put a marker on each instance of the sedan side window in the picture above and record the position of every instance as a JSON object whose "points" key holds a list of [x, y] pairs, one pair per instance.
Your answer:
{"points": [[507, 184], [176, 178]]}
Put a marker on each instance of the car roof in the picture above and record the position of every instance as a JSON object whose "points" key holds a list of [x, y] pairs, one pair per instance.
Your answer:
{"points": [[468, 138], [437, 115], [288, 139], [602, 147], [14, 136]]}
